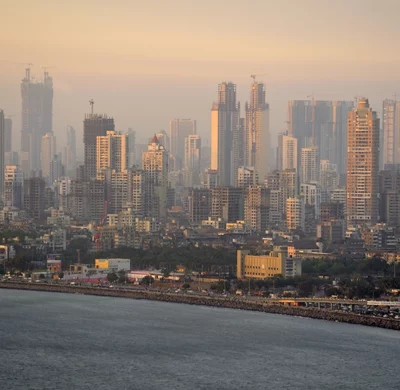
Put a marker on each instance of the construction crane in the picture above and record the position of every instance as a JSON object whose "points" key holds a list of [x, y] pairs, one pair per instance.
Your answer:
{"points": [[253, 76]]}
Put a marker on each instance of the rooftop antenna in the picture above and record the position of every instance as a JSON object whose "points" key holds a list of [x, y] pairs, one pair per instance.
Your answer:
{"points": [[91, 102]]}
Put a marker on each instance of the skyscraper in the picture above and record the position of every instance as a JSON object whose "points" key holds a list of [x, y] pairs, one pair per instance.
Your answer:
{"points": [[295, 213], [7, 135], [131, 147], [391, 132], [69, 155], [179, 129], [155, 164], [37, 118], [94, 126], [289, 152], [257, 138], [192, 160], [310, 164], [13, 186], [2, 154], [225, 122], [48, 150], [112, 151], [362, 165], [256, 208], [322, 124]]}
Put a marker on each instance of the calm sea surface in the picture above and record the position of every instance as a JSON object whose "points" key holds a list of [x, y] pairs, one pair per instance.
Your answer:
{"points": [[63, 341]]}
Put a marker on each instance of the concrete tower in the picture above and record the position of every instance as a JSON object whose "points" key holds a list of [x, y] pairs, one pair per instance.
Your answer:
{"points": [[37, 118], [225, 122], [362, 165]]}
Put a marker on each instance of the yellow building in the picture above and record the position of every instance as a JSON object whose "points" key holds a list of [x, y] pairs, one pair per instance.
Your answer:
{"points": [[116, 264], [275, 263]]}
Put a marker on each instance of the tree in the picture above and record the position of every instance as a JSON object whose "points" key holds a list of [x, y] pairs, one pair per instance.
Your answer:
{"points": [[147, 280], [305, 288], [221, 285], [121, 277], [112, 277]]}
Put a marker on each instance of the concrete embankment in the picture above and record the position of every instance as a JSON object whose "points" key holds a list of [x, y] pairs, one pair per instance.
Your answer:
{"points": [[231, 303]]}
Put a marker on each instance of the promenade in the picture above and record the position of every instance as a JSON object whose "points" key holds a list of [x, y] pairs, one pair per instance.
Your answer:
{"points": [[220, 302]]}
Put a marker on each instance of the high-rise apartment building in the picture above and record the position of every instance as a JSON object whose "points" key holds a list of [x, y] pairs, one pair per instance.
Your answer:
{"points": [[390, 149], [362, 165], [64, 194], [329, 178], [310, 164], [311, 193], [247, 176], [256, 208], [48, 150], [131, 147], [7, 135], [155, 164], [13, 181], [87, 200], [225, 122], [199, 205], [69, 153], [56, 169], [257, 137], [37, 119], [118, 188], [94, 126], [34, 198], [295, 213], [192, 160], [112, 151], [227, 203], [179, 129], [289, 153], [2, 129]]}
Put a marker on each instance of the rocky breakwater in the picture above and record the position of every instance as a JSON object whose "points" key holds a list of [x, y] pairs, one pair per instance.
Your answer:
{"points": [[230, 303]]}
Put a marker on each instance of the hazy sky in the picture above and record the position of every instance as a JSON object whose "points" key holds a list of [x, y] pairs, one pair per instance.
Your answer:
{"points": [[145, 62]]}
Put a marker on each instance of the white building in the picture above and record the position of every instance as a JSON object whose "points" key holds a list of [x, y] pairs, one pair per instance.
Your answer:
{"points": [[310, 164], [311, 194], [192, 160], [289, 152]]}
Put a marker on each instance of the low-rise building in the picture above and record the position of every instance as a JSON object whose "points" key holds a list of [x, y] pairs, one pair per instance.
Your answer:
{"points": [[115, 264], [275, 263]]}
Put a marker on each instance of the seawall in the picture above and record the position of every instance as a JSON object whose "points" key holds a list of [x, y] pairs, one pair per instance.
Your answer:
{"points": [[231, 303]]}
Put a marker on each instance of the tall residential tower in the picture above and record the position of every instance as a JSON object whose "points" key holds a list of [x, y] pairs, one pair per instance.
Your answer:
{"points": [[37, 118], [362, 165], [225, 122]]}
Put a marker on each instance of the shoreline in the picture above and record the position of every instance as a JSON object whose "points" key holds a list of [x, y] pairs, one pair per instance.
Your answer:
{"points": [[297, 311]]}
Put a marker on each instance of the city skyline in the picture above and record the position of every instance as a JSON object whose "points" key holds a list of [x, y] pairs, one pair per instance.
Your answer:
{"points": [[180, 76]]}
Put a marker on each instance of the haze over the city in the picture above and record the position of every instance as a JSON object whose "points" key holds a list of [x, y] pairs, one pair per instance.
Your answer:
{"points": [[145, 63]]}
